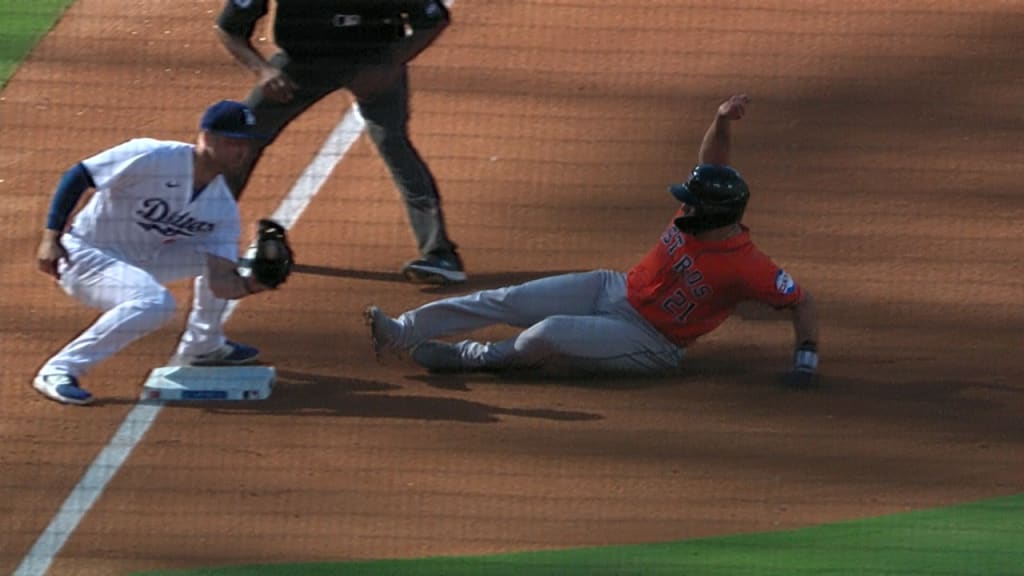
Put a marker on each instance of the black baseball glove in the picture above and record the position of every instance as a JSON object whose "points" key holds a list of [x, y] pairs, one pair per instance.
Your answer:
{"points": [[273, 261]]}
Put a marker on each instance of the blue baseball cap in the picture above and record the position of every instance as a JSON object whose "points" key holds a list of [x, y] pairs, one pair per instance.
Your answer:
{"points": [[231, 119]]}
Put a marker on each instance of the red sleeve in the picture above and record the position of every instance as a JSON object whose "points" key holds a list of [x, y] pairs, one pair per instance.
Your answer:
{"points": [[766, 282]]}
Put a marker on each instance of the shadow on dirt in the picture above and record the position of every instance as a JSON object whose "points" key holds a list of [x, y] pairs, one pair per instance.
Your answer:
{"points": [[745, 380], [739, 367], [305, 394]]}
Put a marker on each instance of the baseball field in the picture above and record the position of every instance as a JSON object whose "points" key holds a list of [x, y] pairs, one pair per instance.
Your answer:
{"points": [[882, 150]]}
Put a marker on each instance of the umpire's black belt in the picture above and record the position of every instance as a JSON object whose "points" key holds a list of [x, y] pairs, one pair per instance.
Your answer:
{"points": [[357, 20]]}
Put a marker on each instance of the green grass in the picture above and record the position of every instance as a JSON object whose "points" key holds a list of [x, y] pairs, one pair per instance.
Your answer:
{"points": [[22, 24], [978, 539]]}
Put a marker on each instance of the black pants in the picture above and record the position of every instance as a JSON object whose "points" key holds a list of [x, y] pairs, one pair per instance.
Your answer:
{"points": [[387, 123]]}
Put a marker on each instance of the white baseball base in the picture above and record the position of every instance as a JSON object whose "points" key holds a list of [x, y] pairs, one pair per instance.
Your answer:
{"points": [[192, 383]]}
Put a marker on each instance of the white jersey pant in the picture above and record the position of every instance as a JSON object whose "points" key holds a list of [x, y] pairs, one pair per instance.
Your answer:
{"points": [[579, 321], [134, 302]]}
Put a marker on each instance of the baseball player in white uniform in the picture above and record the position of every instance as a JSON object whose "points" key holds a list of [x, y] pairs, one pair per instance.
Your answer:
{"points": [[161, 211]]}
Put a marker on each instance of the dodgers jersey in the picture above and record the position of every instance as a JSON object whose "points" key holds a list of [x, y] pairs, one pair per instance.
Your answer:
{"points": [[144, 200], [686, 287]]}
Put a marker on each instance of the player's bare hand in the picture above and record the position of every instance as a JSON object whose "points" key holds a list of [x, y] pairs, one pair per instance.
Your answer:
{"points": [[734, 108], [50, 253], [277, 86]]}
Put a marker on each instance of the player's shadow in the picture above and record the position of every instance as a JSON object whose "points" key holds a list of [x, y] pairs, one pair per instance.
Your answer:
{"points": [[738, 366], [475, 282], [305, 394], [464, 381]]}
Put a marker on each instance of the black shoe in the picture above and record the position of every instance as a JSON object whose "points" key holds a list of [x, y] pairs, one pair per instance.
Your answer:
{"points": [[435, 269]]}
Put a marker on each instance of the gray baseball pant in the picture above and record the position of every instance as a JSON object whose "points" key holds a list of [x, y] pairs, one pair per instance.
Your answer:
{"points": [[579, 321]]}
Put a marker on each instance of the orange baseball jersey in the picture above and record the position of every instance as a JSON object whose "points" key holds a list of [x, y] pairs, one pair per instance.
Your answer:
{"points": [[686, 288]]}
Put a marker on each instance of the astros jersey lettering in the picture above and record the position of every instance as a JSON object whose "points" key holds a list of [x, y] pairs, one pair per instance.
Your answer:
{"points": [[686, 288], [155, 203]]}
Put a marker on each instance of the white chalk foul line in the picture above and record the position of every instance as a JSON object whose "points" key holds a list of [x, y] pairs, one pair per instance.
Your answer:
{"points": [[88, 489], [142, 416]]}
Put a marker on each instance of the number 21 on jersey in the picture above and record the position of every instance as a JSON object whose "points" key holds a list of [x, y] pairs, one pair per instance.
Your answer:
{"points": [[679, 303]]}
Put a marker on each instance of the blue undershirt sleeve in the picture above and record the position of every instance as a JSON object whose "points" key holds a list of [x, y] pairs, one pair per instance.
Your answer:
{"points": [[69, 191]]}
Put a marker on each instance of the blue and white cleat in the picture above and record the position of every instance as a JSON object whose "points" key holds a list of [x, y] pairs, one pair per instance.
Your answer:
{"points": [[62, 388], [230, 354]]}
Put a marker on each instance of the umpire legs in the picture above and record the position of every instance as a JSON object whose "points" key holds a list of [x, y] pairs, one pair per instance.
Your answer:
{"points": [[387, 123], [272, 117], [387, 117]]}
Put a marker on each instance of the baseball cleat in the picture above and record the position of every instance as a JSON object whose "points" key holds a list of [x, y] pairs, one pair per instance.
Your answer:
{"points": [[438, 356], [383, 330], [435, 269], [63, 388], [230, 354]]}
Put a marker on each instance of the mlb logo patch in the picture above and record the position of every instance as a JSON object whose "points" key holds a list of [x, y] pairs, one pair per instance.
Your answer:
{"points": [[784, 282]]}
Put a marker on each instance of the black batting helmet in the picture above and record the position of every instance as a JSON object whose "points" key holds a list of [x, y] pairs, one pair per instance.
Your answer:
{"points": [[717, 194]]}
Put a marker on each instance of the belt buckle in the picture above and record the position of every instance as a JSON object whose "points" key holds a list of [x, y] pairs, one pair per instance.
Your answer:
{"points": [[346, 20]]}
